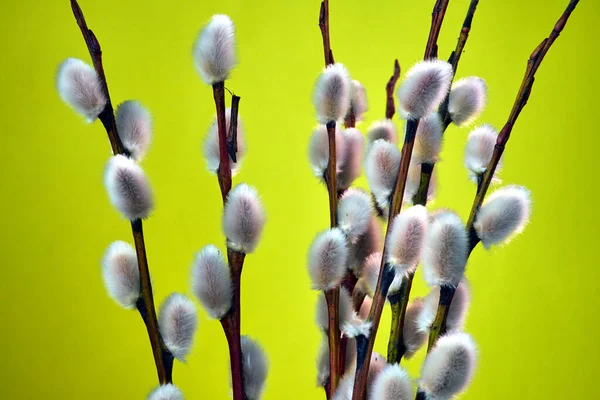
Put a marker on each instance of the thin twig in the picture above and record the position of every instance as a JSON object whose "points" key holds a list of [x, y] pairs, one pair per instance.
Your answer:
{"points": [[232, 145], [162, 357], [533, 64], [390, 107], [324, 26], [437, 17], [398, 303], [224, 171], [232, 325]]}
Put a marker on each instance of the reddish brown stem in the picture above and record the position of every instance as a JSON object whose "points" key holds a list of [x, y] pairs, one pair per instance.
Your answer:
{"points": [[437, 17], [224, 171], [232, 145], [332, 297], [324, 26], [332, 175], [232, 325], [390, 107], [533, 64], [107, 116]]}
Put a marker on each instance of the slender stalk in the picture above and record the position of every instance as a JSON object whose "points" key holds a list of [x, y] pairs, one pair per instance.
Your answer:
{"points": [[333, 296], [390, 107], [533, 64], [232, 325], [232, 145], [224, 171], [324, 26], [332, 175], [437, 17], [439, 323], [386, 272], [163, 359], [398, 303], [350, 119]]}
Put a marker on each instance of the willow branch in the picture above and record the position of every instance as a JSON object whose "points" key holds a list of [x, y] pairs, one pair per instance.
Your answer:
{"points": [[398, 304], [437, 17], [224, 171], [324, 26], [533, 64], [163, 359], [232, 145], [390, 107]]}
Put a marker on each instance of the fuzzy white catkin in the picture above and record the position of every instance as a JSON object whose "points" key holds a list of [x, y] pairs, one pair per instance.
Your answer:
{"points": [[413, 181], [79, 86], [211, 145], [378, 363], [368, 243], [243, 219], [344, 389], [327, 259], [365, 308], [128, 188], [423, 89], [370, 271], [211, 281], [392, 383], [134, 125], [412, 336], [255, 367], [381, 168], [214, 49], [396, 283], [449, 367], [467, 100], [121, 274], [177, 322], [406, 238], [457, 313], [318, 150], [166, 392], [349, 168], [445, 253], [346, 311], [331, 95], [383, 129], [358, 100], [479, 150], [428, 140], [323, 360], [504, 214], [355, 208]]}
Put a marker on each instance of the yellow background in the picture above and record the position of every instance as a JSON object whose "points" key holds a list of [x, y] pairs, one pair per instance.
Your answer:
{"points": [[534, 301]]}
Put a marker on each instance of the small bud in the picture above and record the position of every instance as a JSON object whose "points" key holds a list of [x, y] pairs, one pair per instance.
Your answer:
{"points": [[327, 259], [79, 86], [178, 322], [128, 188], [428, 140], [243, 219], [211, 281], [413, 337], [121, 274], [255, 367], [449, 366], [424, 88], [381, 167], [332, 93], [503, 215], [214, 50], [383, 129], [406, 238], [457, 313], [480, 147], [365, 308], [134, 125], [445, 253], [370, 271], [211, 145], [318, 150], [467, 100], [392, 383], [358, 100], [346, 311], [354, 213], [413, 181], [396, 283], [349, 168], [368, 243], [166, 392]]}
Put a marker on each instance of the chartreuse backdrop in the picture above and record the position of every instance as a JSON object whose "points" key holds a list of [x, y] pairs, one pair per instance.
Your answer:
{"points": [[534, 301]]}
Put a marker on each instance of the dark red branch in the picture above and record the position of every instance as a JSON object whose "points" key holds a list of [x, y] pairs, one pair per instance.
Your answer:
{"points": [[324, 26], [224, 171], [437, 17], [390, 107]]}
